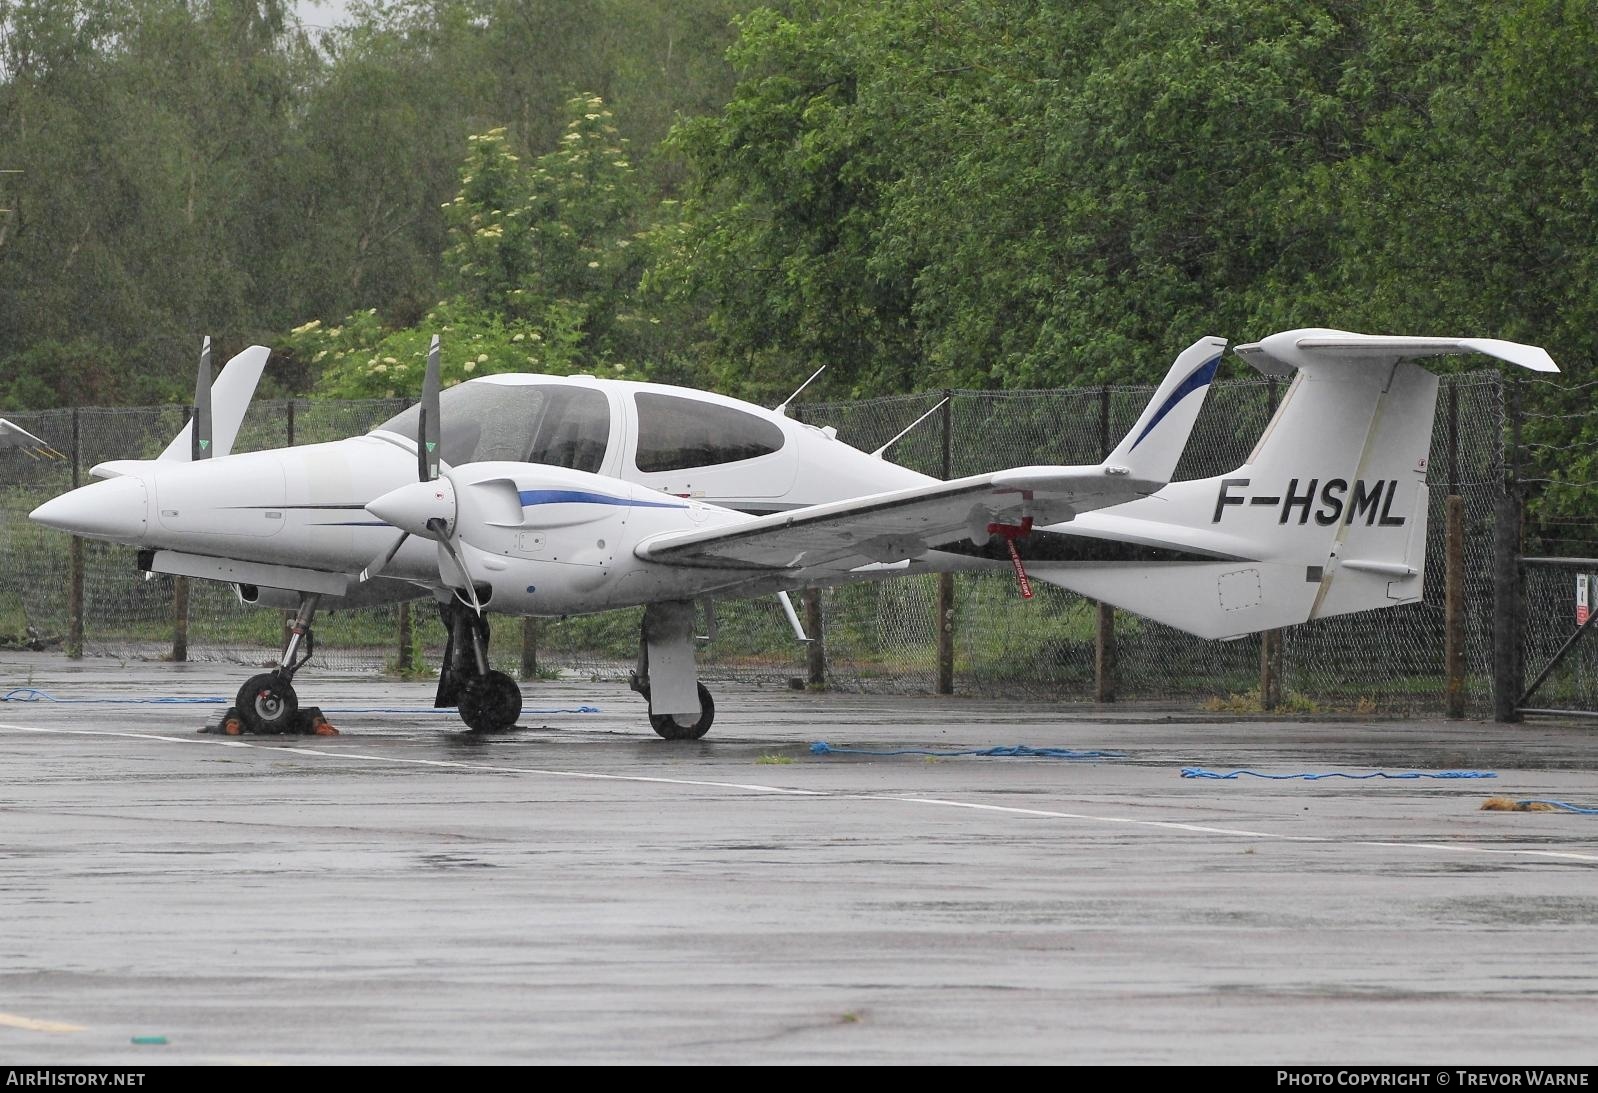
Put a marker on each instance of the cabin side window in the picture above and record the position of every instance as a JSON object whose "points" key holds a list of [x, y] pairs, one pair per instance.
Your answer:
{"points": [[676, 433], [574, 429], [561, 425]]}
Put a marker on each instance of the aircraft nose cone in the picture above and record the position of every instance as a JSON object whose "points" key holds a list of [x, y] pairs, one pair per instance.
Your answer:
{"points": [[410, 507], [117, 509]]}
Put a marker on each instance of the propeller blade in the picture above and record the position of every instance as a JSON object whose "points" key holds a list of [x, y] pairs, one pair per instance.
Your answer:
{"points": [[380, 563], [446, 546], [428, 425], [200, 434]]}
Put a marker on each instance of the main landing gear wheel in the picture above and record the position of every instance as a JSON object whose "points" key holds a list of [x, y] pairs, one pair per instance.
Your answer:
{"points": [[490, 702], [671, 728], [267, 703]]}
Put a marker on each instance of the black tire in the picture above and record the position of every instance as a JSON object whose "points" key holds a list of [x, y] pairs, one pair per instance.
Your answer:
{"points": [[669, 728], [491, 703], [267, 704]]}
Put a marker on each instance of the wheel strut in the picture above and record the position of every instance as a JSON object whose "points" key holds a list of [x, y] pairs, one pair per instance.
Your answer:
{"points": [[267, 702]]}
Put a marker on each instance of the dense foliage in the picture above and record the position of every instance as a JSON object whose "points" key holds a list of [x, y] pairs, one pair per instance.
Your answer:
{"points": [[920, 193]]}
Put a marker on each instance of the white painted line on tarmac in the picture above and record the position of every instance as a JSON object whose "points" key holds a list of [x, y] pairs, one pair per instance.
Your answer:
{"points": [[33, 1024], [1235, 832], [446, 763], [755, 787]]}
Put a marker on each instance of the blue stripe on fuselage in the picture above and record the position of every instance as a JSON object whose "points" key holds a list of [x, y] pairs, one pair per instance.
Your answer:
{"points": [[530, 498], [1201, 376]]}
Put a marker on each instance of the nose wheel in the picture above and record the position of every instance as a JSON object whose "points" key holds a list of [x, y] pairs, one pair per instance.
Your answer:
{"points": [[267, 702]]}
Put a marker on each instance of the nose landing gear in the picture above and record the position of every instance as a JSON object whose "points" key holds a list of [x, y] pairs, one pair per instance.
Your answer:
{"points": [[267, 702]]}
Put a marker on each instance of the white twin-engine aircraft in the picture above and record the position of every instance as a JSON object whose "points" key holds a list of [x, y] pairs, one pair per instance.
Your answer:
{"points": [[561, 495]]}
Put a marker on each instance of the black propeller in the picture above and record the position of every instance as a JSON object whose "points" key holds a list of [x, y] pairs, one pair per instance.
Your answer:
{"points": [[200, 423], [428, 429], [428, 426]]}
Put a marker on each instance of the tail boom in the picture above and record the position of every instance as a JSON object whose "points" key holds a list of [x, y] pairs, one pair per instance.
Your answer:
{"points": [[1327, 517]]}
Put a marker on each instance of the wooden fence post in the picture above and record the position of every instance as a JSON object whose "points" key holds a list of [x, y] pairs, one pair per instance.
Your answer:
{"points": [[1104, 667], [1454, 609]]}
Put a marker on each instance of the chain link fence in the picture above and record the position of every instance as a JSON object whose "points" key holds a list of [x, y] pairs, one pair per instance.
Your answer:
{"points": [[878, 635]]}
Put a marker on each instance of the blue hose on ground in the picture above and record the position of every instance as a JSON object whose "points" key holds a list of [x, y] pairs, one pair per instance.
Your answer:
{"points": [[1200, 772], [33, 694], [821, 747], [1563, 806]]}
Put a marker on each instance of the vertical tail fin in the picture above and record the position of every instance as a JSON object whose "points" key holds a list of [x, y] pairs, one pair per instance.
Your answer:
{"points": [[1327, 516]]}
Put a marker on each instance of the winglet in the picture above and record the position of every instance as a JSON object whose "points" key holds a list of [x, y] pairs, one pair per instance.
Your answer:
{"points": [[230, 398], [1150, 451], [1280, 354]]}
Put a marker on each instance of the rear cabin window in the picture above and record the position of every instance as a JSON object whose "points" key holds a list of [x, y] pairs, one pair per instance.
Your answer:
{"points": [[676, 433]]}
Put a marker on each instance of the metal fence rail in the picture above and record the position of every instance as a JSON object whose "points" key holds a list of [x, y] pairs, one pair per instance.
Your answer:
{"points": [[881, 636]]}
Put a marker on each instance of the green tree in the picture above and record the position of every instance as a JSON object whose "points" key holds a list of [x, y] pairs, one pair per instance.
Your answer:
{"points": [[544, 258]]}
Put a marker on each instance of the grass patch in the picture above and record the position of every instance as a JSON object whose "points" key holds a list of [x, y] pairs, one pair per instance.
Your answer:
{"points": [[1249, 702]]}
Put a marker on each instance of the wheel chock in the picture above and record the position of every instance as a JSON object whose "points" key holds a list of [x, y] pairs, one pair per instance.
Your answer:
{"points": [[307, 722]]}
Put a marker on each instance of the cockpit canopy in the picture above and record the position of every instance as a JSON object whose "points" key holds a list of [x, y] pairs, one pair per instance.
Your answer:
{"points": [[561, 425], [569, 425]]}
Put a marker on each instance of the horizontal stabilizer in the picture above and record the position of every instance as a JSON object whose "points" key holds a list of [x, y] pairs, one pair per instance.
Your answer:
{"points": [[1280, 354]]}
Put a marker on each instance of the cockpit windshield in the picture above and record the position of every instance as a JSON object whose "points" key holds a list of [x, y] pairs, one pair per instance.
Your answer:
{"points": [[558, 424]]}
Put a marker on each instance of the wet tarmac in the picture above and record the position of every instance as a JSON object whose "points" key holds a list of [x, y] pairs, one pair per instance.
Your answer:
{"points": [[579, 891]]}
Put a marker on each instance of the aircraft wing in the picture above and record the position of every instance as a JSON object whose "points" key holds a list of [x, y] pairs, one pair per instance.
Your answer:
{"points": [[15, 436], [902, 524], [892, 527]]}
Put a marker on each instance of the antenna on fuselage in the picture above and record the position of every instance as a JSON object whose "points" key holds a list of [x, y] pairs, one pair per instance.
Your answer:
{"points": [[782, 408], [906, 430]]}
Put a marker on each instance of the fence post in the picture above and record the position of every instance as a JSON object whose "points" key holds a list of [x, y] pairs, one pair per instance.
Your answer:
{"points": [[1509, 608], [180, 619], [75, 556], [945, 608], [1454, 609], [289, 422], [403, 640], [945, 626], [818, 647], [1104, 674], [1104, 632], [1509, 604], [1454, 572], [1270, 670], [529, 648]]}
